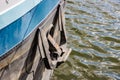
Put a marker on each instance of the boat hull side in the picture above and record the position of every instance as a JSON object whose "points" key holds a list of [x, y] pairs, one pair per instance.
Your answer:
{"points": [[24, 62], [35, 57], [16, 32]]}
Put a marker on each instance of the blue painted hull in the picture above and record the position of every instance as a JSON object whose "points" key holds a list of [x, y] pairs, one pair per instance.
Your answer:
{"points": [[32, 46], [16, 32]]}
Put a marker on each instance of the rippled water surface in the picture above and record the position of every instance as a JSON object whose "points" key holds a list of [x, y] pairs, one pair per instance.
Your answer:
{"points": [[93, 28]]}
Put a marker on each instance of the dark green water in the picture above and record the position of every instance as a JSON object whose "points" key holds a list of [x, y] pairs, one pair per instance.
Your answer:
{"points": [[93, 28]]}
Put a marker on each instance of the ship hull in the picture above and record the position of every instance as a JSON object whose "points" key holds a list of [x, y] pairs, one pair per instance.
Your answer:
{"points": [[31, 58]]}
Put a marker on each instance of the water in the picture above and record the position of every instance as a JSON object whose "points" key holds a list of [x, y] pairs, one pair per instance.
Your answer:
{"points": [[93, 28]]}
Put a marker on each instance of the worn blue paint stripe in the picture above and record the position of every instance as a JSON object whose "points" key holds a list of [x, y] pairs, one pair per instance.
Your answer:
{"points": [[14, 33]]}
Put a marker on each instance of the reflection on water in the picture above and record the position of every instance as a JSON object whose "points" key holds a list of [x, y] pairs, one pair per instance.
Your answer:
{"points": [[93, 28]]}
